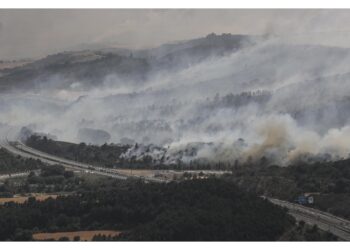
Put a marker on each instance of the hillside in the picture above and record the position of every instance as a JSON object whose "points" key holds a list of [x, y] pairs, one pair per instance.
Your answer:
{"points": [[219, 98], [90, 68]]}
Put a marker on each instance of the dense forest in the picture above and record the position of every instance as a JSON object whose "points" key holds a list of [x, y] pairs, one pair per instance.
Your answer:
{"points": [[191, 210], [105, 155]]}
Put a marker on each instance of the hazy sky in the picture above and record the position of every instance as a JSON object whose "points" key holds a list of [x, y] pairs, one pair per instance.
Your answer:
{"points": [[36, 33]]}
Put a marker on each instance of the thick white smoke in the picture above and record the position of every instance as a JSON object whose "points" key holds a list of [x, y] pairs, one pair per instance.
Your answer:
{"points": [[297, 106]]}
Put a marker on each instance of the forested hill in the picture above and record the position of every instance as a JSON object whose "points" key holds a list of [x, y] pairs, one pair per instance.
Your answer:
{"points": [[90, 67]]}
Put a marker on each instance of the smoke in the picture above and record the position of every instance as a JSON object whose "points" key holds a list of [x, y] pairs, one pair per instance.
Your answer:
{"points": [[38, 32], [271, 99]]}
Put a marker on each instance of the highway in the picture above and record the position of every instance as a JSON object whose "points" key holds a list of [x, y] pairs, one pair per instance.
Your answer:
{"points": [[325, 221], [18, 148]]}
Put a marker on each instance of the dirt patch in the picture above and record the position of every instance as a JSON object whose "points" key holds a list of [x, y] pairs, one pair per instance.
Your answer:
{"points": [[84, 235], [22, 199]]}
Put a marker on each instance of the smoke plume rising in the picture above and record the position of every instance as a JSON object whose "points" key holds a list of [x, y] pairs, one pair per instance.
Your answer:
{"points": [[259, 98]]}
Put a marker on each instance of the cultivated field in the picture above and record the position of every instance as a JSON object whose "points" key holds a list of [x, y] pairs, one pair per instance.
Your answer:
{"points": [[22, 199], [84, 235], [165, 174], [138, 172]]}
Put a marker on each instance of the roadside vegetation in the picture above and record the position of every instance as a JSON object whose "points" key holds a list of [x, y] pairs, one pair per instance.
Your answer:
{"points": [[13, 164], [48, 179], [329, 182]]}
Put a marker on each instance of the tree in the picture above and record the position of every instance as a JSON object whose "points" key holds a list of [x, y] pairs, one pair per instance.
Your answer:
{"points": [[64, 238], [76, 238]]}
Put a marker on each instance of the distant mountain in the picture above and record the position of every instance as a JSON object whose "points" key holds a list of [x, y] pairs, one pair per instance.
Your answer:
{"points": [[196, 50], [90, 68], [62, 70], [7, 65]]}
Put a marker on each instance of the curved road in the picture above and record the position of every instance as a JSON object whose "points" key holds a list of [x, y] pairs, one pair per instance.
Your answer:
{"points": [[22, 150]]}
